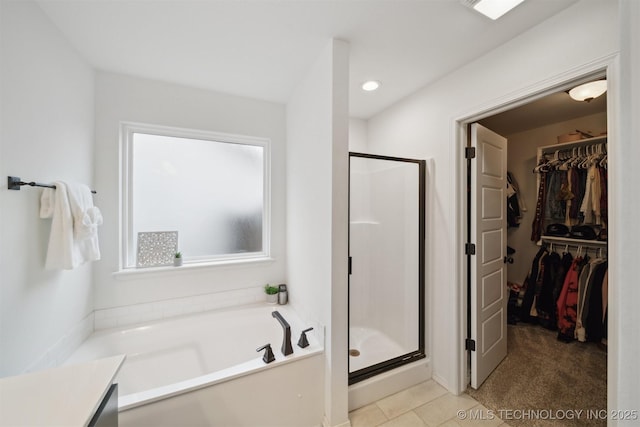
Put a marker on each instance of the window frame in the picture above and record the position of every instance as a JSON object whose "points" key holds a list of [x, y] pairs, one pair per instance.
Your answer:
{"points": [[127, 243]]}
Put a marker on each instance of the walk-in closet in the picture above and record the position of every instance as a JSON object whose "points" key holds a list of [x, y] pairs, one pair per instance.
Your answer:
{"points": [[556, 259]]}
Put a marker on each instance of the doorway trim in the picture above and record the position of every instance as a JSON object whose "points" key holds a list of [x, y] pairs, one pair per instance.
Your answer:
{"points": [[607, 65]]}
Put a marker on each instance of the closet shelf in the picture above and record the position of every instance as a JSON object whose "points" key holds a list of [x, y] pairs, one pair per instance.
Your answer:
{"points": [[575, 242]]}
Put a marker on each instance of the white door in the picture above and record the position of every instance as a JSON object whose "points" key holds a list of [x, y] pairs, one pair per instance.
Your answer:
{"points": [[488, 270]]}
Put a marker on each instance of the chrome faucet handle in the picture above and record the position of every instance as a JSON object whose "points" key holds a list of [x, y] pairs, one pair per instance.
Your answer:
{"points": [[303, 342], [268, 354]]}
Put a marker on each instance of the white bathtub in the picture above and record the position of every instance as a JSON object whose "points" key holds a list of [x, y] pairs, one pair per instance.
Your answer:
{"points": [[203, 369]]}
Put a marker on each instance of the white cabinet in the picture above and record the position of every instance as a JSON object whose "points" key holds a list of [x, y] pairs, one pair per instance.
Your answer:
{"points": [[67, 395]]}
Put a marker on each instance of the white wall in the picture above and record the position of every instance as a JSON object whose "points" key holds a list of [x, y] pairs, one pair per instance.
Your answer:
{"points": [[358, 135], [124, 98], [423, 126], [317, 218], [624, 314], [47, 134], [521, 159]]}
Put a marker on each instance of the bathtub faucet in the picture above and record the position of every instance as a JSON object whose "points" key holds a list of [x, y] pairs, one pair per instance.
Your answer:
{"points": [[287, 349]]}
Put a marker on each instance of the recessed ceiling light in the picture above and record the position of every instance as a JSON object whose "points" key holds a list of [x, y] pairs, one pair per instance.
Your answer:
{"points": [[493, 9], [370, 85]]}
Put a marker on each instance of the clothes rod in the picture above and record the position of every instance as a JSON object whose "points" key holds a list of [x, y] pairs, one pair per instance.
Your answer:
{"points": [[576, 243], [14, 183], [600, 251]]}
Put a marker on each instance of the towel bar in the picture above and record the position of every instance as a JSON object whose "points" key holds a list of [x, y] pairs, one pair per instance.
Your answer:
{"points": [[14, 183]]}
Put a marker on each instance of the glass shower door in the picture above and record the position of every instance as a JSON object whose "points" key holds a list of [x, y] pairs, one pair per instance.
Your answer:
{"points": [[386, 259]]}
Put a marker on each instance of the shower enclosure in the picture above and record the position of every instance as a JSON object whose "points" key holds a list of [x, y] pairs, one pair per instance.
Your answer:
{"points": [[386, 263]]}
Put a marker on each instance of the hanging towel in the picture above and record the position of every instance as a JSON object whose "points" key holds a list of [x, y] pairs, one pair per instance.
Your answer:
{"points": [[73, 240], [86, 217]]}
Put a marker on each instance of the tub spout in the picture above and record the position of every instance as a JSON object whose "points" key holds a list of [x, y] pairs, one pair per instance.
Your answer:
{"points": [[287, 349]]}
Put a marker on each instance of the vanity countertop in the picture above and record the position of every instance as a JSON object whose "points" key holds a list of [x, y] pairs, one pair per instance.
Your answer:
{"points": [[63, 396]]}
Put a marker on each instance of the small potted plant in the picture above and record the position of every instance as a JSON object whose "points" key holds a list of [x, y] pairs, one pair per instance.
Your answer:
{"points": [[272, 293], [177, 259]]}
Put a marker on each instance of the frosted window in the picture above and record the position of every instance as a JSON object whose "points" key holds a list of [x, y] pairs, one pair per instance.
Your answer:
{"points": [[211, 192]]}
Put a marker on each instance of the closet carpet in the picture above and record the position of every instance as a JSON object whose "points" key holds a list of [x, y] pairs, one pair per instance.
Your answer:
{"points": [[542, 377]]}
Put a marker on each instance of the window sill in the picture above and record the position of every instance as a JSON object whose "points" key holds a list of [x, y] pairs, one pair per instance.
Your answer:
{"points": [[138, 273]]}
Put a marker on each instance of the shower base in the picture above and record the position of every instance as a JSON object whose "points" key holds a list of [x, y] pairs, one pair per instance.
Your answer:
{"points": [[375, 347], [369, 346]]}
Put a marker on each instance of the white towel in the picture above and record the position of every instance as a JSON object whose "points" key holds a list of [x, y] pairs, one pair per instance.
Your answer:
{"points": [[86, 217], [73, 240]]}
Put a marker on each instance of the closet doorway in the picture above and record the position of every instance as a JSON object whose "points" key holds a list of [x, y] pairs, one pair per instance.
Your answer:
{"points": [[546, 361]]}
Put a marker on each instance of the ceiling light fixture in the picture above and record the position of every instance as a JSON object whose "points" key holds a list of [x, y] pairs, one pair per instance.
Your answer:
{"points": [[493, 9], [588, 91], [370, 85]]}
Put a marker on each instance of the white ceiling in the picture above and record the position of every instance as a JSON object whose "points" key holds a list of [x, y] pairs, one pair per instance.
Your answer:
{"points": [[262, 48]]}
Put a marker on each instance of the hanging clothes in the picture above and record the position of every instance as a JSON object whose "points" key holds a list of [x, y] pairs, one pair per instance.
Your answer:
{"points": [[515, 202], [554, 273], [512, 180], [567, 303], [538, 220], [533, 285], [555, 205], [585, 287], [561, 292], [513, 208], [567, 260], [593, 322], [605, 294], [578, 179], [604, 214], [570, 200], [590, 207], [596, 193]]}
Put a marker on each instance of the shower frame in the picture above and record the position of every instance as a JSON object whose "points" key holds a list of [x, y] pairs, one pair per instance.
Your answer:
{"points": [[419, 353]]}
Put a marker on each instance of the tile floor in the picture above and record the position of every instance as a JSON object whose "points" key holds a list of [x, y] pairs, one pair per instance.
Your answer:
{"points": [[426, 404]]}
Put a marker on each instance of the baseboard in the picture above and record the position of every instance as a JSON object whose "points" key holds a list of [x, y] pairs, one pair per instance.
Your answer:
{"points": [[445, 384], [325, 423]]}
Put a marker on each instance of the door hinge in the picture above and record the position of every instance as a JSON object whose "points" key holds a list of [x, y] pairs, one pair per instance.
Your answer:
{"points": [[470, 344], [469, 249], [470, 152]]}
